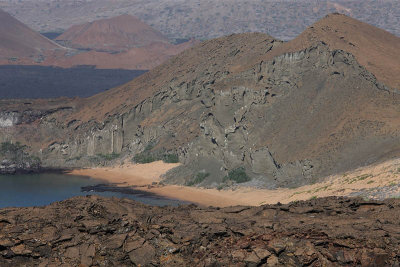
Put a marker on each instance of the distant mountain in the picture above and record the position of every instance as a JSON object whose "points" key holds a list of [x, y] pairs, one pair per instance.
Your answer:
{"points": [[140, 58], [243, 106], [120, 42], [123, 42], [112, 35], [206, 19], [17, 40]]}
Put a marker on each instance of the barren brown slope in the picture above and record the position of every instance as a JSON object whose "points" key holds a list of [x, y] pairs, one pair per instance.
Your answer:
{"points": [[18, 40], [211, 60], [375, 49], [287, 120], [113, 34], [140, 58]]}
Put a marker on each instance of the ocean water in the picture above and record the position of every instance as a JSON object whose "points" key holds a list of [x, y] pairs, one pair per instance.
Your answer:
{"points": [[42, 189]]}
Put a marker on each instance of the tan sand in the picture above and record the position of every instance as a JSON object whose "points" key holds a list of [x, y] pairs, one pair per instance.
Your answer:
{"points": [[143, 175]]}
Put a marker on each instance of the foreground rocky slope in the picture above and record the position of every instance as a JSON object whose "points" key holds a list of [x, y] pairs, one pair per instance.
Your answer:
{"points": [[242, 103], [110, 232]]}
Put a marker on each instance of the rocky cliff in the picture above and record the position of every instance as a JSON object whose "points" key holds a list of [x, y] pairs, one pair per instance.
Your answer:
{"points": [[287, 120], [15, 159]]}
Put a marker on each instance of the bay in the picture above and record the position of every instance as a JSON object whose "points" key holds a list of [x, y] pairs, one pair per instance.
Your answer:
{"points": [[42, 189]]}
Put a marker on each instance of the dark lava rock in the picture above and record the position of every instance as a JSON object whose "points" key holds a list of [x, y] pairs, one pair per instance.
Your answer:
{"points": [[96, 231]]}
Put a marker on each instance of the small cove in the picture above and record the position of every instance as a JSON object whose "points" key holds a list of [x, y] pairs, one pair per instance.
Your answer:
{"points": [[28, 190]]}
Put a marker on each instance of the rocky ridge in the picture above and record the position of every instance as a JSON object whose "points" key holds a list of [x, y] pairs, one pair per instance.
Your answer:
{"points": [[287, 120], [94, 231]]}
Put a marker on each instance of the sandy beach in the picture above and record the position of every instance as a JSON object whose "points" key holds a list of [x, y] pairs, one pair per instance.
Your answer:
{"points": [[366, 180]]}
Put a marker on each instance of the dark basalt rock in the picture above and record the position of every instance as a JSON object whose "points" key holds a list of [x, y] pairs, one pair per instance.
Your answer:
{"points": [[95, 231], [14, 167]]}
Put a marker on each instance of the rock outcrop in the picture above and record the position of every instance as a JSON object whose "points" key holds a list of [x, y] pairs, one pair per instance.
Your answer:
{"points": [[14, 159], [287, 119], [94, 231]]}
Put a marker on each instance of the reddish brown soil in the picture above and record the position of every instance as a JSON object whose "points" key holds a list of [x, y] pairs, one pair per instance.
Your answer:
{"points": [[377, 50], [18, 40], [219, 54], [123, 42], [140, 58], [88, 231], [114, 34]]}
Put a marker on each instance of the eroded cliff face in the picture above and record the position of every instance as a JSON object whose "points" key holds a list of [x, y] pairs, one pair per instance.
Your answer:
{"points": [[286, 121], [8, 119]]}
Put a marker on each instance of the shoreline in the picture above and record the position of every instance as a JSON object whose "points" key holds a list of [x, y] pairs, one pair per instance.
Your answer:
{"points": [[41, 170], [375, 182]]}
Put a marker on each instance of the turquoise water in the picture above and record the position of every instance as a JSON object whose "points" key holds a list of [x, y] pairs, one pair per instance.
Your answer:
{"points": [[42, 189]]}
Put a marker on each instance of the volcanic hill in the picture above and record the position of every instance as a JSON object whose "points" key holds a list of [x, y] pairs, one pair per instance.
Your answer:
{"points": [[276, 114], [123, 42], [17, 40], [374, 48], [112, 35], [120, 42]]}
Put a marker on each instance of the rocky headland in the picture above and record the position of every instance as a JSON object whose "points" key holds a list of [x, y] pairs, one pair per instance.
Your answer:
{"points": [[14, 159], [241, 109]]}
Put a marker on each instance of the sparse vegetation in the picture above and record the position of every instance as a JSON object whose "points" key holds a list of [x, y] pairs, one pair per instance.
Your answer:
{"points": [[108, 157], [148, 156], [75, 158], [15, 153], [199, 178], [12, 151], [149, 146], [171, 158], [220, 187], [143, 158], [8, 147], [357, 178], [321, 188], [237, 175], [363, 177]]}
